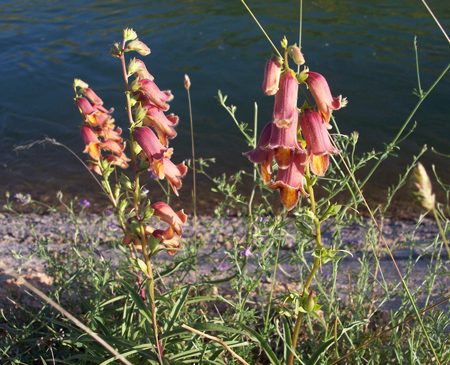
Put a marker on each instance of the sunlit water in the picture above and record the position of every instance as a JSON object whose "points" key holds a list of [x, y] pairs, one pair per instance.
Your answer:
{"points": [[364, 49]]}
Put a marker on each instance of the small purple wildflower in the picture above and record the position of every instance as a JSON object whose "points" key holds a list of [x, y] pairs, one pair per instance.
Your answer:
{"points": [[264, 219], [24, 199], [145, 190], [203, 272], [153, 176], [246, 252], [107, 212], [224, 267], [84, 203], [225, 221], [112, 227]]}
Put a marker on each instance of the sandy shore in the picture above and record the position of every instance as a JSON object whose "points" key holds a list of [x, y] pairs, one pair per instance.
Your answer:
{"points": [[19, 236]]}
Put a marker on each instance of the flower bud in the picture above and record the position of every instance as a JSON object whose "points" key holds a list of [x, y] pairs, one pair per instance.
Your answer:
{"points": [[139, 47], [187, 82], [129, 34], [296, 55], [272, 76], [80, 83], [308, 302], [420, 187], [115, 50]]}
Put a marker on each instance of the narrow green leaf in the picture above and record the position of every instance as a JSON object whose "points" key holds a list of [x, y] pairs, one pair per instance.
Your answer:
{"points": [[138, 301], [267, 349], [287, 336], [176, 310], [202, 299]]}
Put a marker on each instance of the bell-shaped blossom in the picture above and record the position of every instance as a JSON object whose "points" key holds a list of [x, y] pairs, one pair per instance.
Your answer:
{"points": [[290, 181], [284, 142], [173, 173], [272, 74], [316, 134], [169, 244], [175, 220], [91, 141], [113, 146], [93, 97], [162, 123], [322, 95], [285, 110], [121, 161], [151, 145], [111, 134], [149, 94], [262, 155], [159, 158], [317, 141], [96, 115]]}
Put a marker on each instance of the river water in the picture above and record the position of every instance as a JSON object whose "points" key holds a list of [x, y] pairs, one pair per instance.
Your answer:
{"points": [[365, 49]]}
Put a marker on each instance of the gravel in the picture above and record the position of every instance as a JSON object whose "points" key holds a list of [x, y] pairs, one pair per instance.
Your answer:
{"points": [[19, 235]]}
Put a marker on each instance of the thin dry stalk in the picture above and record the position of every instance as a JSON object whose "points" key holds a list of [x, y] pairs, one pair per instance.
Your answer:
{"points": [[219, 341]]}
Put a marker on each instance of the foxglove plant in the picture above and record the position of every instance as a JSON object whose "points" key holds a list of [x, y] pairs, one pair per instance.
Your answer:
{"points": [[298, 149], [150, 130]]}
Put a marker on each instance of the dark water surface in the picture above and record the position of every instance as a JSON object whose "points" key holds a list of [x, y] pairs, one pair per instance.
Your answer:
{"points": [[363, 48]]}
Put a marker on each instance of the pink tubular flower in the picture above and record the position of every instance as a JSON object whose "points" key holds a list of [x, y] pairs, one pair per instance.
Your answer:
{"points": [[290, 181], [92, 96], [262, 155], [316, 134], [121, 161], [91, 141], [163, 124], [149, 94], [317, 141], [285, 109], [173, 173], [96, 115], [168, 243], [152, 147], [113, 146], [111, 134], [322, 95], [271, 76], [159, 157], [175, 220], [284, 142]]}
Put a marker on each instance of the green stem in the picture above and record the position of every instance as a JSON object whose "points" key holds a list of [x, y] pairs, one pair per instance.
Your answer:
{"points": [[136, 195], [317, 262], [193, 163], [273, 285], [442, 231], [255, 171], [260, 26]]}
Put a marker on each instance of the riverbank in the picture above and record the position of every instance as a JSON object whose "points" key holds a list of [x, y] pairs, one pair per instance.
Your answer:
{"points": [[21, 237]]}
